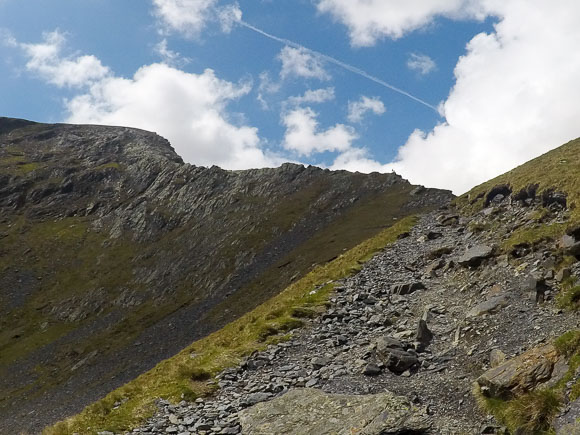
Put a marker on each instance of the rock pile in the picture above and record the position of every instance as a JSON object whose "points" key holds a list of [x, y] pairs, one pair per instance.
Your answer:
{"points": [[418, 325]]}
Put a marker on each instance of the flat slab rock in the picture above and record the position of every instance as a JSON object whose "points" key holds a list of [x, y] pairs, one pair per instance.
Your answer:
{"points": [[473, 256], [311, 411]]}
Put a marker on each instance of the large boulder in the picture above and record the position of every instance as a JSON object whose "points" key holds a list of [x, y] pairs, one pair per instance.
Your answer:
{"points": [[520, 374], [394, 356], [311, 411], [475, 255]]}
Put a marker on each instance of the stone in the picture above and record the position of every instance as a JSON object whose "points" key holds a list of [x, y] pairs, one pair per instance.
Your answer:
{"points": [[252, 399], [475, 255], [406, 289], [570, 245], [372, 369], [397, 361], [521, 374], [313, 412], [318, 362], [563, 274], [384, 344], [496, 358], [489, 306], [433, 266], [424, 335], [568, 422]]}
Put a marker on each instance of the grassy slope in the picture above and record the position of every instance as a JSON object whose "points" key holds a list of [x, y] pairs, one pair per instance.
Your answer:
{"points": [[185, 375], [558, 169]]}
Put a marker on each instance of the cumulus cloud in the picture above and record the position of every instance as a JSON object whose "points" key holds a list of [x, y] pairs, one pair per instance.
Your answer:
{"points": [[304, 137], [45, 59], [358, 109], [316, 96], [516, 89], [516, 96], [188, 17], [301, 63], [421, 63], [188, 109], [371, 20]]}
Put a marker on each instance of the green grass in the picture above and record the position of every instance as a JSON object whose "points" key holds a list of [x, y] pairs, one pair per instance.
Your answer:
{"points": [[557, 169], [185, 375]]}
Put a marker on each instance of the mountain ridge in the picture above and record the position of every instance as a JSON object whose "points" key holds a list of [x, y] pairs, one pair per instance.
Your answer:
{"points": [[112, 246]]}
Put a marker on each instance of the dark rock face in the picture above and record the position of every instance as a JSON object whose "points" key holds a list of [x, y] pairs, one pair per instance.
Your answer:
{"points": [[114, 254]]}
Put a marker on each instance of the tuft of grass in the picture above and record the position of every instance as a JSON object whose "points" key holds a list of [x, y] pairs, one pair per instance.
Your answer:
{"points": [[179, 377], [533, 235], [568, 343], [532, 412], [569, 299]]}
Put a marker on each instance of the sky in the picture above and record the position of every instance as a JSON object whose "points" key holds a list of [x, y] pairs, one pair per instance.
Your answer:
{"points": [[447, 93]]}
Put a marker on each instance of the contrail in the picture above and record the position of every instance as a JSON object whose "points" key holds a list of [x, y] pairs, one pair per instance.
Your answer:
{"points": [[339, 63]]}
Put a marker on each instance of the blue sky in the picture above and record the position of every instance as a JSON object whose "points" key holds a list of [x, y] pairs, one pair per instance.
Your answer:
{"points": [[227, 95]]}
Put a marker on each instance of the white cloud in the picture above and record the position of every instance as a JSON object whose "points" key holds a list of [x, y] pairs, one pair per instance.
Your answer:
{"points": [[421, 63], [169, 56], [45, 59], [516, 96], [371, 20], [358, 109], [229, 16], [300, 63], [358, 160], [188, 17], [316, 96], [188, 109], [303, 135], [267, 87]]}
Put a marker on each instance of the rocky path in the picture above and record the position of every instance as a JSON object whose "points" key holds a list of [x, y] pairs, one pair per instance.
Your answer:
{"points": [[419, 321]]}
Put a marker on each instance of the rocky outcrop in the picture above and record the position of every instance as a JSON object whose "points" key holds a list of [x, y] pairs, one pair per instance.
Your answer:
{"points": [[310, 411], [520, 374]]}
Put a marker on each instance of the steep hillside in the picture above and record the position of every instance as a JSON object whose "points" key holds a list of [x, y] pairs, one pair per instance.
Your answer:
{"points": [[466, 323], [114, 254]]}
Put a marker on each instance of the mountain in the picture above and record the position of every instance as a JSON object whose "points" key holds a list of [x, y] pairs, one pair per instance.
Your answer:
{"points": [[461, 320], [115, 254]]}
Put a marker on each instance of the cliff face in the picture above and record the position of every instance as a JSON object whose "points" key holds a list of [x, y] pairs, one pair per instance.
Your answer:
{"points": [[114, 254]]}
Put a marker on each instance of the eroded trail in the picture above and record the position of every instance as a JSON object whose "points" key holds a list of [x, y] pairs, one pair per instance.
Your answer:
{"points": [[419, 321]]}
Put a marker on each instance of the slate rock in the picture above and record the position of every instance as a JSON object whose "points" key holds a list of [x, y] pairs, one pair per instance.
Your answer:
{"points": [[563, 274], [423, 336], [372, 369], [570, 245], [489, 306], [252, 399], [313, 412], [406, 289], [475, 255], [496, 358]]}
